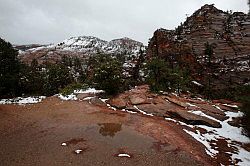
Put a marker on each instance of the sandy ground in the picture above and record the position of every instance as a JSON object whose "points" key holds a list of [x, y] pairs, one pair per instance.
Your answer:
{"points": [[33, 134]]}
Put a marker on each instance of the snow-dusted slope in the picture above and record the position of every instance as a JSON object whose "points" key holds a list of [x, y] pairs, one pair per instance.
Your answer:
{"points": [[90, 44], [82, 47]]}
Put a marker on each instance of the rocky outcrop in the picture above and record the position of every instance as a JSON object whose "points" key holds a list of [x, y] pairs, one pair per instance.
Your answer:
{"points": [[227, 33], [182, 108]]}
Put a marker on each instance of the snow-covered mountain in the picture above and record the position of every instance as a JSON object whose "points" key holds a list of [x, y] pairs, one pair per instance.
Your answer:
{"points": [[90, 44], [82, 47]]}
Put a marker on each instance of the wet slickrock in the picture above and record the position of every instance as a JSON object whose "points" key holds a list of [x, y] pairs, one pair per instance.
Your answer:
{"points": [[75, 132], [209, 122], [165, 106]]}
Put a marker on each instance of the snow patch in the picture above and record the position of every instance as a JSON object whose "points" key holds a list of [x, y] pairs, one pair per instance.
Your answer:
{"points": [[78, 151], [64, 144], [233, 136], [144, 113], [197, 83], [67, 97], [124, 155], [90, 90], [21, 100]]}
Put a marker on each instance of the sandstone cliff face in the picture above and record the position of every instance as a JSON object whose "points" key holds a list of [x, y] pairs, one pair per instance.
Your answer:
{"points": [[227, 33]]}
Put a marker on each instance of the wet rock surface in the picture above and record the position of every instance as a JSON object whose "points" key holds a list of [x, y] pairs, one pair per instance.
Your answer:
{"points": [[147, 129], [168, 105], [57, 132]]}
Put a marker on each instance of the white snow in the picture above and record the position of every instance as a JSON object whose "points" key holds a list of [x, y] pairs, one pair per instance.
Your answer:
{"points": [[90, 90], [144, 113], [67, 97], [90, 45], [233, 136], [228, 105], [170, 119], [197, 83], [21, 100], [200, 113], [73, 95], [202, 140], [88, 98], [124, 155], [132, 112], [64, 144], [192, 105], [78, 151], [113, 108]]}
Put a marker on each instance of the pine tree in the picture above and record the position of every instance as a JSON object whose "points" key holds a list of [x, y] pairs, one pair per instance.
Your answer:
{"points": [[209, 51], [9, 70], [108, 74]]}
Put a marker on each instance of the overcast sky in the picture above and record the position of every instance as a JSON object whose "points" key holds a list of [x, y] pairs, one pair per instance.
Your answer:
{"points": [[49, 21]]}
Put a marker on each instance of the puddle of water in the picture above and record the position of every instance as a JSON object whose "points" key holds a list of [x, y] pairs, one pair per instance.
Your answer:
{"points": [[109, 129], [112, 139]]}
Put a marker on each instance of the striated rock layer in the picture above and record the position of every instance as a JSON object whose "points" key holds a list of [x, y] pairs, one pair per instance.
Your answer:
{"points": [[227, 33]]}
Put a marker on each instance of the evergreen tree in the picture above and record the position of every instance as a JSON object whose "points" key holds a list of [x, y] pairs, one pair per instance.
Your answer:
{"points": [[161, 77], [108, 74], [57, 76], [9, 70], [158, 74], [209, 51], [32, 79]]}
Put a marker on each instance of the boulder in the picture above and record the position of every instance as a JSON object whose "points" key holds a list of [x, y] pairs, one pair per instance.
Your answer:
{"points": [[137, 99], [118, 102], [193, 119], [210, 108], [98, 102], [157, 109], [82, 96], [177, 101]]}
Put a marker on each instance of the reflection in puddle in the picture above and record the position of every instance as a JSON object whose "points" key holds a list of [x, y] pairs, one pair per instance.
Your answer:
{"points": [[109, 129]]}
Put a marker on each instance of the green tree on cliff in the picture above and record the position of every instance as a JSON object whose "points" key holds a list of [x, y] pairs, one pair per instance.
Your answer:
{"points": [[209, 51]]}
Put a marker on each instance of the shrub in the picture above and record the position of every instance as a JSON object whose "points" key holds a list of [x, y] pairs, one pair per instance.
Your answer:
{"points": [[57, 77], [107, 74], [157, 72], [31, 79], [69, 89], [161, 77]]}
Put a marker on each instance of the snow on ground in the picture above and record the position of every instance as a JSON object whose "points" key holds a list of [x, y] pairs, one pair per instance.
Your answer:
{"points": [[67, 97], [132, 112], [144, 113], [90, 90], [124, 155], [197, 83], [21, 100], [64, 144], [78, 151], [233, 136], [228, 105], [80, 91]]}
